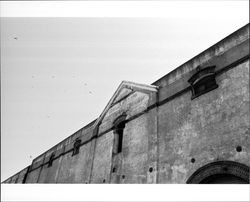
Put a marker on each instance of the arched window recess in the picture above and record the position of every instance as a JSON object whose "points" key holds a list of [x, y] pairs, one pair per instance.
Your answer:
{"points": [[51, 159], [76, 147], [203, 81], [119, 125]]}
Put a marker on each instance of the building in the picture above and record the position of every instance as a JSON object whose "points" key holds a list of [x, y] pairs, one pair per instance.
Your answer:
{"points": [[190, 126]]}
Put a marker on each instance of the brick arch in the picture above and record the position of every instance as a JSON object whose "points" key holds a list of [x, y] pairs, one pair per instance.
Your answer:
{"points": [[219, 168]]}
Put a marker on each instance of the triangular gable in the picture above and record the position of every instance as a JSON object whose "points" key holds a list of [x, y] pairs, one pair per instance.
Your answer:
{"points": [[123, 93], [124, 89]]}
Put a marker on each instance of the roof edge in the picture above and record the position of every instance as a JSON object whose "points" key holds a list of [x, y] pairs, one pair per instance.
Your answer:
{"points": [[243, 29]]}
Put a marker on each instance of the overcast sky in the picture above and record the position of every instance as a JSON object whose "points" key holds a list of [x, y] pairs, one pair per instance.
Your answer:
{"points": [[58, 74]]}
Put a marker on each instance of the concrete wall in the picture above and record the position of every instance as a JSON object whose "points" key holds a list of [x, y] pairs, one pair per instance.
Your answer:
{"points": [[139, 151], [76, 168], [163, 130], [208, 128], [102, 159]]}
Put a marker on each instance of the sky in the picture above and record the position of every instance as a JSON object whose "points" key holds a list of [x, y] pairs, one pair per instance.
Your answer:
{"points": [[61, 64]]}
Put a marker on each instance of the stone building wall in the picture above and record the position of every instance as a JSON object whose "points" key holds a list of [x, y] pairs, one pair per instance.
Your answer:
{"points": [[168, 136], [206, 129]]}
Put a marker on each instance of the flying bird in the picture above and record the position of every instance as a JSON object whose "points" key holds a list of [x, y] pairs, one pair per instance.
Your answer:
{"points": [[15, 38]]}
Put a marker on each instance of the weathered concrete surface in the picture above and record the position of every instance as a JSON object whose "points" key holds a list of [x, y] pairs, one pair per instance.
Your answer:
{"points": [[152, 150], [33, 176], [124, 92], [102, 159], [21, 175], [76, 168], [17, 178], [14, 178], [139, 150], [49, 174], [208, 128], [132, 105]]}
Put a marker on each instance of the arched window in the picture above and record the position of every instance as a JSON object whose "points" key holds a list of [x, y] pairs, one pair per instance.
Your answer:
{"points": [[221, 172], [76, 148], [203, 81], [119, 125], [51, 159]]}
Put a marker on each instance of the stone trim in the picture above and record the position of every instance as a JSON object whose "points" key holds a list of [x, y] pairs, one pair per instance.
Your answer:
{"points": [[220, 167]]}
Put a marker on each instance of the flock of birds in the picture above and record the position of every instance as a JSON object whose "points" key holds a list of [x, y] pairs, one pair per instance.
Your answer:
{"points": [[85, 84]]}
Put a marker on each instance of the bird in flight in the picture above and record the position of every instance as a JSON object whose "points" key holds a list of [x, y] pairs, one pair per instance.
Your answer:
{"points": [[15, 38]]}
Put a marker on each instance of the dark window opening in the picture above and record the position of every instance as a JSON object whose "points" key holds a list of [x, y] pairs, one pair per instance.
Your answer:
{"points": [[119, 125], [76, 148], [203, 81], [204, 86], [118, 137], [51, 160]]}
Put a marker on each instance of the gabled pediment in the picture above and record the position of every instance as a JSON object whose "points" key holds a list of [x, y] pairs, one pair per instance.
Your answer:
{"points": [[124, 92], [125, 89]]}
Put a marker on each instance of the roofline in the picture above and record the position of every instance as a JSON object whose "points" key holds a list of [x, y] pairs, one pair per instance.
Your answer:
{"points": [[202, 53], [125, 84], [152, 86]]}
